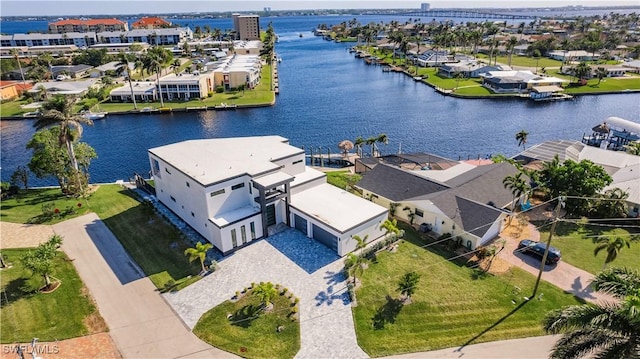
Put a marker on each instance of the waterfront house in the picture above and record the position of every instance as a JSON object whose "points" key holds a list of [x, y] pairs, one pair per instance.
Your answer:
{"points": [[143, 92], [74, 71], [235, 71], [611, 70], [575, 55], [517, 81], [621, 166], [466, 201], [233, 190], [632, 66], [8, 90], [76, 88], [469, 69], [186, 86]]}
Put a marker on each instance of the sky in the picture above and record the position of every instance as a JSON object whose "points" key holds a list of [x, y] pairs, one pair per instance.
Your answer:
{"points": [[123, 7]]}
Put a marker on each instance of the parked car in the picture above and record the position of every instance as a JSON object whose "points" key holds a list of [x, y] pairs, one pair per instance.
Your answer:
{"points": [[537, 249]]}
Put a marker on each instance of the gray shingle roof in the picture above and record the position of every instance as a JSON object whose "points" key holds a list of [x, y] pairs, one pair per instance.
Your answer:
{"points": [[396, 184]]}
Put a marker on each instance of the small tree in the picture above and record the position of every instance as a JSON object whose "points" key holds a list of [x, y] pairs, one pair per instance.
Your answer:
{"points": [[40, 261], [198, 252], [407, 285], [20, 177], [265, 292]]}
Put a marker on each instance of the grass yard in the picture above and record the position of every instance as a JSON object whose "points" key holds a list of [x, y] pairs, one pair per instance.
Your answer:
{"points": [[153, 243], [525, 61], [341, 178], [577, 247], [65, 313], [29, 207], [450, 307], [445, 82], [248, 333]]}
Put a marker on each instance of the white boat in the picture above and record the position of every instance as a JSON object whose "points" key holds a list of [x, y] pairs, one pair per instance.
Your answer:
{"points": [[33, 114], [94, 115]]}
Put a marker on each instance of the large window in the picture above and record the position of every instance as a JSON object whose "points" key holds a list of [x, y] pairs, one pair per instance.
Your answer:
{"points": [[215, 193], [419, 213], [234, 238], [243, 233], [253, 230], [237, 186]]}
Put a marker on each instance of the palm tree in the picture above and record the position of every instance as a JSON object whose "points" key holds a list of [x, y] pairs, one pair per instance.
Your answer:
{"points": [[633, 148], [360, 242], [609, 330], [265, 292], [354, 265], [16, 55], [59, 112], [198, 252], [582, 71], [153, 61], [612, 244], [511, 44], [371, 141], [390, 226], [123, 65], [382, 138], [521, 137], [517, 185], [601, 73], [407, 285], [358, 144]]}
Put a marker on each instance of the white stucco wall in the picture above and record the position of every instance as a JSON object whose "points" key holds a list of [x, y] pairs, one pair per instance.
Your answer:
{"points": [[225, 233]]}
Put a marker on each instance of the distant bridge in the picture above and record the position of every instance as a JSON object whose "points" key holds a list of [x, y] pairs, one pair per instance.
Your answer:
{"points": [[471, 14]]}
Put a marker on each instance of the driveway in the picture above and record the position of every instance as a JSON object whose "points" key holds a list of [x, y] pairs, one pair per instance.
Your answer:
{"points": [[141, 323], [563, 275], [310, 270]]}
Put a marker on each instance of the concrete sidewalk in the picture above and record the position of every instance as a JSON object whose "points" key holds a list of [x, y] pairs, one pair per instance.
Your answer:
{"points": [[141, 323]]}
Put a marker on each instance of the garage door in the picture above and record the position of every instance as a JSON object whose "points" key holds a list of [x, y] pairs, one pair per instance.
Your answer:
{"points": [[325, 237], [301, 223]]}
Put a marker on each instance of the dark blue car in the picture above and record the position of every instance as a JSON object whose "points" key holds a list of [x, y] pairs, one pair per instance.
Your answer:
{"points": [[537, 249]]}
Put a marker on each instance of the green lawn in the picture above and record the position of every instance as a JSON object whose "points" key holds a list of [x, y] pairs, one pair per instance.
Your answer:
{"points": [[12, 108], [524, 61], [153, 243], [341, 178], [65, 313], [248, 333], [606, 85], [577, 247], [450, 307], [27, 207], [445, 82]]}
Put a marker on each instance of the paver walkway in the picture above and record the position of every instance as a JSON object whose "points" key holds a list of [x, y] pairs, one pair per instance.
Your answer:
{"points": [[309, 269], [141, 323]]}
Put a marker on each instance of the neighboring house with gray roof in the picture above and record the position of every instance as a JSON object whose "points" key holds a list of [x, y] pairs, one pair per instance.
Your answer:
{"points": [[469, 205]]}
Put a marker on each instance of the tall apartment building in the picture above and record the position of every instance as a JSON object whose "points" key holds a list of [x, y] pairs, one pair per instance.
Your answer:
{"points": [[89, 25], [247, 27]]}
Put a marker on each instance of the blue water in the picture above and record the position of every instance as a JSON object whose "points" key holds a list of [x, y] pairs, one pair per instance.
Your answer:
{"points": [[326, 96]]}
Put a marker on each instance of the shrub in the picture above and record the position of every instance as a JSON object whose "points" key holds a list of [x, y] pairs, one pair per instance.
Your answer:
{"points": [[219, 89]]}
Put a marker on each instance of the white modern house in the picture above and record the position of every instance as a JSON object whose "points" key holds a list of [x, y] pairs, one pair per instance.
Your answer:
{"points": [[186, 86], [233, 190]]}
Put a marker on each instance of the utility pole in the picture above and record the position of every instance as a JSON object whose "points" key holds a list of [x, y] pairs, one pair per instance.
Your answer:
{"points": [[546, 251]]}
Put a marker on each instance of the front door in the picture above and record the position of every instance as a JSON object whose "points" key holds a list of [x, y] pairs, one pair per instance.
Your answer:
{"points": [[271, 215]]}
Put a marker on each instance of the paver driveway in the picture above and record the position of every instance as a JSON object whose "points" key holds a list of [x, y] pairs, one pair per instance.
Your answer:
{"points": [[306, 267]]}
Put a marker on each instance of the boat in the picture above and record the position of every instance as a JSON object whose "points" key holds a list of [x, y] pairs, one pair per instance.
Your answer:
{"points": [[417, 78], [93, 115], [300, 35], [32, 114], [225, 106], [148, 110]]}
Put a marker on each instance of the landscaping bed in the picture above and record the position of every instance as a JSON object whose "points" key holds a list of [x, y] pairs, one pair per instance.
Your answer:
{"points": [[241, 327]]}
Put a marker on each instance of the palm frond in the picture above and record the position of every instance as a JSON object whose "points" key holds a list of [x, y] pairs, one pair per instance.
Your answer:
{"points": [[580, 343], [617, 281], [577, 317]]}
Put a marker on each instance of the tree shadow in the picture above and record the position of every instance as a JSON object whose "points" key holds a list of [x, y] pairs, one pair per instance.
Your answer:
{"points": [[513, 311], [329, 296], [14, 290], [244, 316], [387, 313]]}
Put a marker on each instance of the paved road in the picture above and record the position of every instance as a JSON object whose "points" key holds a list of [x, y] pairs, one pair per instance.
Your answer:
{"points": [[562, 274], [141, 323], [525, 348]]}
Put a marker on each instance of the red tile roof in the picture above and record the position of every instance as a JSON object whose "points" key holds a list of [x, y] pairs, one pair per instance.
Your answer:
{"points": [[7, 83], [146, 21], [88, 22]]}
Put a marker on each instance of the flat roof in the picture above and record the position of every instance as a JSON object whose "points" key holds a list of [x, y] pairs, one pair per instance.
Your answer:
{"points": [[549, 88], [309, 174], [223, 219], [273, 179], [209, 161], [335, 207]]}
